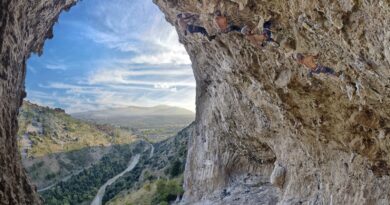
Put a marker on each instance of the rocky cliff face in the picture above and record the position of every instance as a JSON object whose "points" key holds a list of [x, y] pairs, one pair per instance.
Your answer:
{"points": [[265, 132], [24, 25]]}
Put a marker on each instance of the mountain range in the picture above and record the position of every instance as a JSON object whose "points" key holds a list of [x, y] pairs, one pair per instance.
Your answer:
{"points": [[161, 116]]}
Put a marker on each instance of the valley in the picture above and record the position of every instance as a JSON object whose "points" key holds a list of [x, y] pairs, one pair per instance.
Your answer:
{"points": [[99, 196], [153, 123], [73, 161]]}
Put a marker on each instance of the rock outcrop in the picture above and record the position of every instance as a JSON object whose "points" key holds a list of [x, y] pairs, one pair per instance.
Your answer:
{"points": [[24, 25], [255, 107]]}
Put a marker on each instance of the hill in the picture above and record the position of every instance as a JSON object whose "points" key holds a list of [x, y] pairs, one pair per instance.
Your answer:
{"points": [[161, 116], [54, 146], [44, 130]]}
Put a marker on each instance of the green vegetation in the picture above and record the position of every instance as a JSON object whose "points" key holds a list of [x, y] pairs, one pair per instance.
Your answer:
{"points": [[61, 165], [128, 181], [52, 131], [155, 135], [176, 168], [55, 146], [167, 164], [75, 158], [84, 186], [158, 192], [167, 191], [50, 176]]}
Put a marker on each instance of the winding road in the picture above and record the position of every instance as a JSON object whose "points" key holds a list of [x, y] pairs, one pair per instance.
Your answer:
{"points": [[151, 149], [99, 196]]}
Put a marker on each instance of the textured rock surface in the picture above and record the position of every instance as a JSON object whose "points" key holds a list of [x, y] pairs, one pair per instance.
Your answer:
{"points": [[254, 107], [24, 25], [278, 175]]}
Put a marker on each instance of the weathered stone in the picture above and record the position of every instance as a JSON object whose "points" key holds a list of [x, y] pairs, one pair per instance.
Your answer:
{"points": [[24, 25], [255, 107], [278, 175]]}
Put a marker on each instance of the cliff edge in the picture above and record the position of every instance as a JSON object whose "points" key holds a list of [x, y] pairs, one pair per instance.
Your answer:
{"points": [[24, 26]]}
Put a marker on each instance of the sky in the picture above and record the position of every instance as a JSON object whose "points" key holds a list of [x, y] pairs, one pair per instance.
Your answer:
{"points": [[108, 54]]}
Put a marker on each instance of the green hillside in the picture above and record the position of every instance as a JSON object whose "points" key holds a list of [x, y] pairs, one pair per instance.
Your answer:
{"points": [[82, 187], [54, 146], [43, 131], [69, 159]]}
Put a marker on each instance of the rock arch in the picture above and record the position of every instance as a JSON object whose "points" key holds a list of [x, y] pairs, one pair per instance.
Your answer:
{"points": [[306, 123]]}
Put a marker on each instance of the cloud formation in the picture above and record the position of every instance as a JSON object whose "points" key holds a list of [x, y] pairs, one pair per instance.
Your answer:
{"points": [[136, 26], [139, 60], [56, 67]]}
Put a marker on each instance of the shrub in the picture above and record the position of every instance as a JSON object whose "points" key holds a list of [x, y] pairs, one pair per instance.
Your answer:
{"points": [[148, 187], [176, 168], [167, 191]]}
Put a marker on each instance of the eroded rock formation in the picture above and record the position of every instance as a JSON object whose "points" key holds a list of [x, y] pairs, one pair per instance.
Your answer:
{"points": [[24, 25], [330, 137], [326, 140]]}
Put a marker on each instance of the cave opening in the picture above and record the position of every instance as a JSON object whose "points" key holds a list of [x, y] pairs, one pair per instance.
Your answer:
{"points": [[113, 75]]}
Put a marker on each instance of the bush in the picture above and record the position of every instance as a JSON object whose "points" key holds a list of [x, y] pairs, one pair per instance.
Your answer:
{"points": [[50, 176], [167, 191], [148, 176], [148, 187], [176, 168]]}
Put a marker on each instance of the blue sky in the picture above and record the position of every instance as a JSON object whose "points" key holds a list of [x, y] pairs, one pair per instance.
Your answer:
{"points": [[108, 54]]}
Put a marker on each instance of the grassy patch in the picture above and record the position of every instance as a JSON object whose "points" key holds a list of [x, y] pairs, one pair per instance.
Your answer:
{"points": [[160, 192]]}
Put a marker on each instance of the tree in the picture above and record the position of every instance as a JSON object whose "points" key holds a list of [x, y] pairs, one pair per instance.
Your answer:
{"points": [[176, 168]]}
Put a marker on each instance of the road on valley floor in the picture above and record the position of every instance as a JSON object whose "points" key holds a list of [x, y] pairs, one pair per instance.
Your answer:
{"points": [[99, 196]]}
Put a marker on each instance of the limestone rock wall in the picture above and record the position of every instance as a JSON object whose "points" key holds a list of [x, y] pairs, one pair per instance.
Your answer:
{"points": [[24, 25], [327, 140]]}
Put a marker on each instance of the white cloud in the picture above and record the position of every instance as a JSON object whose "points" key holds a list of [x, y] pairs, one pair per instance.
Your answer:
{"points": [[150, 37], [169, 57], [160, 72], [122, 77], [60, 85], [152, 67], [56, 67], [111, 40], [164, 85]]}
